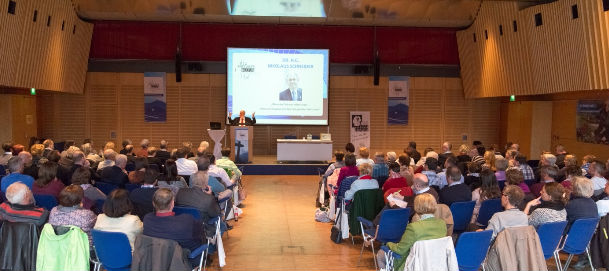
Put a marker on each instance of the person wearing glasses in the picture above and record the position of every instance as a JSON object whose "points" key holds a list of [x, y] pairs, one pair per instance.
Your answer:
{"points": [[511, 198]]}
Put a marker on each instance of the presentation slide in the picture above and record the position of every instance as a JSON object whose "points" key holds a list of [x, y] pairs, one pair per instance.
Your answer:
{"points": [[282, 86]]}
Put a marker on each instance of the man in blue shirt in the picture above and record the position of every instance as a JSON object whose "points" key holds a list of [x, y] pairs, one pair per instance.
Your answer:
{"points": [[380, 170], [15, 166]]}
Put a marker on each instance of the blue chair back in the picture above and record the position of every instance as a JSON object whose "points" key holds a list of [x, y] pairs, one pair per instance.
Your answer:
{"points": [[46, 201], [105, 187], [112, 249], [345, 185], [392, 225], [549, 236], [178, 210], [471, 249], [2, 170], [381, 180], [462, 214], [132, 186], [487, 209], [580, 235]]}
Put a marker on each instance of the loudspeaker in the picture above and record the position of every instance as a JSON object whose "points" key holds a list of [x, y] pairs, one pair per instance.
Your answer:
{"points": [[377, 68], [178, 67]]}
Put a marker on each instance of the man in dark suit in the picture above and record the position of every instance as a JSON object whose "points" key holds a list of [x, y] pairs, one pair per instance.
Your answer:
{"points": [[293, 92], [456, 190], [116, 174], [200, 196], [142, 197], [242, 120], [446, 152], [162, 153]]}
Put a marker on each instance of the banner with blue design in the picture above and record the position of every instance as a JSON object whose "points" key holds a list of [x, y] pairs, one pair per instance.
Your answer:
{"points": [[398, 100], [155, 105]]}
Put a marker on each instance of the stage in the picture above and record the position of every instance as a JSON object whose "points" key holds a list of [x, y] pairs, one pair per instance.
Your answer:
{"points": [[268, 165]]}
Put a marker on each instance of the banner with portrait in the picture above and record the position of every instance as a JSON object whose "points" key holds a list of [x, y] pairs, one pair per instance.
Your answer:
{"points": [[398, 100], [155, 105], [593, 121], [360, 129]]}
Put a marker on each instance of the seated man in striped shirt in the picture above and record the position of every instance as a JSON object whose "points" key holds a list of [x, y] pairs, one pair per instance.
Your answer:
{"points": [[20, 206]]}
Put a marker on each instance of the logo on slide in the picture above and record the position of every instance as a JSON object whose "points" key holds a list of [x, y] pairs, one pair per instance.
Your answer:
{"points": [[245, 70]]}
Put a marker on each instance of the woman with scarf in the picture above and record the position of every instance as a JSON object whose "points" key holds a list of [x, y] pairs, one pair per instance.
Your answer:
{"points": [[549, 207]]}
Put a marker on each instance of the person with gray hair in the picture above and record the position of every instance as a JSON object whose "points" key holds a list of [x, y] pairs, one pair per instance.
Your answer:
{"points": [[420, 185], [29, 168], [365, 181], [15, 167], [143, 152], [597, 169], [199, 196], [581, 204], [293, 92], [20, 206], [163, 154], [109, 157], [116, 174]]}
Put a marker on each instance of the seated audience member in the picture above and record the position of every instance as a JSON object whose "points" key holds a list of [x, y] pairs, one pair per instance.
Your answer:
{"points": [[412, 152], [395, 180], [350, 169], [570, 160], [339, 155], [476, 154], [549, 207], [137, 176], [70, 212], [54, 156], [456, 190], [581, 205], [47, 183], [7, 147], [603, 204], [29, 168], [489, 189], [546, 159], [586, 162], [82, 177], [142, 197], [203, 146], [515, 177], [406, 169], [226, 163], [109, 157], [109, 146], [116, 174], [350, 148], [463, 156], [421, 185], [17, 148], [428, 153], [143, 152], [526, 170], [185, 167], [217, 186], [380, 169], [188, 146], [501, 165], [364, 155], [15, 167], [391, 157], [172, 180], [511, 197], [163, 154], [125, 143], [163, 223], [597, 169], [428, 227], [49, 146], [20, 206], [78, 161], [450, 161], [153, 160], [117, 216], [547, 174], [571, 172], [429, 169], [215, 171], [561, 154], [365, 181], [489, 160], [90, 154], [446, 152], [473, 176], [36, 150], [200, 196]]}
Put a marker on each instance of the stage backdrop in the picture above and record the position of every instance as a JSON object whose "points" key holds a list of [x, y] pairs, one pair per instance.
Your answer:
{"points": [[593, 121], [398, 100], [155, 106], [360, 129]]}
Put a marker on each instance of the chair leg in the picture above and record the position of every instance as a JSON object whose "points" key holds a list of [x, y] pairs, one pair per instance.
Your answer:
{"points": [[361, 252], [590, 259], [568, 262], [204, 260], [373, 255]]}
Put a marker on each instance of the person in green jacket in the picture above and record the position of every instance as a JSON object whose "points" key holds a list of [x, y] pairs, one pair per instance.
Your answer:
{"points": [[427, 228]]}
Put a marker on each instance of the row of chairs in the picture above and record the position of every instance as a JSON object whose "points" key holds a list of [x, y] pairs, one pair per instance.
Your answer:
{"points": [[472, 247]]}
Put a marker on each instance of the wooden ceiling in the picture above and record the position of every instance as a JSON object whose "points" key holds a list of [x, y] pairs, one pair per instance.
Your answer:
{"points": [[411, 13]]}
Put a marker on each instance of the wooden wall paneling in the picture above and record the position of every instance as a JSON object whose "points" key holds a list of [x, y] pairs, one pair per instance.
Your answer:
{"points": [[425, 96], [341, 101], [541, 128], [9, 47], [6, 112], [23, 118], [194, 108]]}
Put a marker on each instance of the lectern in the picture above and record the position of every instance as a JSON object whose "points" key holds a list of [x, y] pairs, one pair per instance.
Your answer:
{"points": [[242, 148]]}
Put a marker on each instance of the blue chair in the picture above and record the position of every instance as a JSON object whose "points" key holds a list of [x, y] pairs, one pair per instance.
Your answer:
{"points": [[178, 210], [105, 187], [345, 185], [487, 209], [471, 249], [223, 202], [577, 240], [389, 257], [462, 214], [132, 186], [390, 229], [112, 249], [46, 201], [550, 235]]}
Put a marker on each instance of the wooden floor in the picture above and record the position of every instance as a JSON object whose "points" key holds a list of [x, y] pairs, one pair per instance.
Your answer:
{"points": [[277, 231]]}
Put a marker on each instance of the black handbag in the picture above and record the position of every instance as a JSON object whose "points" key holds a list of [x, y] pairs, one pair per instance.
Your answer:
{"points": [[336, 235]]}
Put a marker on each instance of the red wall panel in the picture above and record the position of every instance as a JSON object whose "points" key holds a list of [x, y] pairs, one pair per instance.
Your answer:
{"points": [[208, 42]]}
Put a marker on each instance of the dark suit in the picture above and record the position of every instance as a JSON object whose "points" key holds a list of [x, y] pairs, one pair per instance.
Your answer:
{"points": [[455, 193], [248, 121], [142, 201], [65, 174], [286, 95], [114, 175], [205, 203], [155, 161], [182, 228], [442, 158], [163, 156]]}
